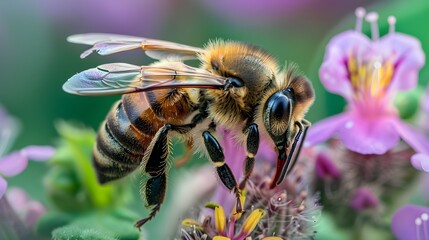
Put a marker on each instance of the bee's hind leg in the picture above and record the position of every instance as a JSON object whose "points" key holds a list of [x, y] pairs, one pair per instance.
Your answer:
{"points": [[223, 170], [155, 164]]}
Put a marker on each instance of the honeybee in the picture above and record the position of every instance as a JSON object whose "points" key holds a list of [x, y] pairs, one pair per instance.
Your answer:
{"points": [[237, 87]]}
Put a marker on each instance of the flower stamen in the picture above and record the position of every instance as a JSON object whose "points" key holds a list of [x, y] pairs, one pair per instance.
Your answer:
{"points": [[369, 79], [360, 14], [418, 223], [372, 18], [392, 22], [219, 217], [252, 221], [425, 218]]}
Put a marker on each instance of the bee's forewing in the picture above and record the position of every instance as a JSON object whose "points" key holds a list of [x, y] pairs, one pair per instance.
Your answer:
{"points": [[121, 78], [96, 81], [105, 44], [93, 38]]}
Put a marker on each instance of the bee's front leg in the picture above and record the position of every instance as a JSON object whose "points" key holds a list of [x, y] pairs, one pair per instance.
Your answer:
{"points": [[252, 148], [223, 170]]}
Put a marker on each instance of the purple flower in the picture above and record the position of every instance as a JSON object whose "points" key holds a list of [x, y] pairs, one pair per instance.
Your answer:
{"points": [[421, 160], [16, 162], [364, 199], [28, 210], [289, 210], [325, 167], [411, 222], [368, 73]]}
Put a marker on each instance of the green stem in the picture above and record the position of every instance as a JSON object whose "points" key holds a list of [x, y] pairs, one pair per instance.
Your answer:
{"points": [[11, 227]]}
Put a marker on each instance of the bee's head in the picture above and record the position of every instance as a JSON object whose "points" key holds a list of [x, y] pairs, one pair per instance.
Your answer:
{"points": [[286, 104]]}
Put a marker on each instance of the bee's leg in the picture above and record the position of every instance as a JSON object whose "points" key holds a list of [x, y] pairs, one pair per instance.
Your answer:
{"points": [[223, 170], [155, 164], [252, 149], [303, 127], [306, 125]]}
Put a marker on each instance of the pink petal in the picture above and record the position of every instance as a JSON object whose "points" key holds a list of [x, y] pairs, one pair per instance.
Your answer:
{"points": [[364, 199], [368, 136], [38, 153], [323, 130], [233, 151], [13, 164], [325, 167], [17, 198], [266, 151], [404, 222], [34, 211], [420, 161], [412, 136], [3, 186], [406, 55], [334, 71]]}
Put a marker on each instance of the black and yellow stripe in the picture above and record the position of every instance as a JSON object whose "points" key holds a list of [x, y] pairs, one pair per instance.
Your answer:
{"points": [[130, 127]]}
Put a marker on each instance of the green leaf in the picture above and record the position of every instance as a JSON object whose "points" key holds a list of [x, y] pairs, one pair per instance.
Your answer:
{"points": [[72, 181], [98, 225], [50, 221], [326, 229], [81, 142], [408, 103], [77, 233]]}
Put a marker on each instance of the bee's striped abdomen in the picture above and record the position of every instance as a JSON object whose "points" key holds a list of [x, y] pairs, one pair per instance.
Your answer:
{"points": [[130, 127]]}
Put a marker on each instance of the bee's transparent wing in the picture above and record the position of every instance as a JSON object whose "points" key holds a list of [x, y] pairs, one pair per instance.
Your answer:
{"points": [[105, 44], [121, 78]]}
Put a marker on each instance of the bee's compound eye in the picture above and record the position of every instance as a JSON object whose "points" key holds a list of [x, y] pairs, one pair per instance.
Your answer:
{"points": [[280, 107], [277, 113]]}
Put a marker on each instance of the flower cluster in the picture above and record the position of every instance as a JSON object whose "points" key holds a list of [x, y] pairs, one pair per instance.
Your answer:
{"points": [[289, 210], [16, 162], [368, 73], [355, 185], [364, 167], [18, 213]]}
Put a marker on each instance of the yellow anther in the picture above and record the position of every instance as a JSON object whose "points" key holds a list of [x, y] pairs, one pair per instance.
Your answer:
{"points": [[387, 74], [188, 222], [369, 78], [353, 70], [219, 216], [250, 155], [253, 220], [221, 238]]}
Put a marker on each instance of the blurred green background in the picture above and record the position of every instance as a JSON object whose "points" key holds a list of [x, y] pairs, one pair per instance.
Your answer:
{"points": [[35, 59]]}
